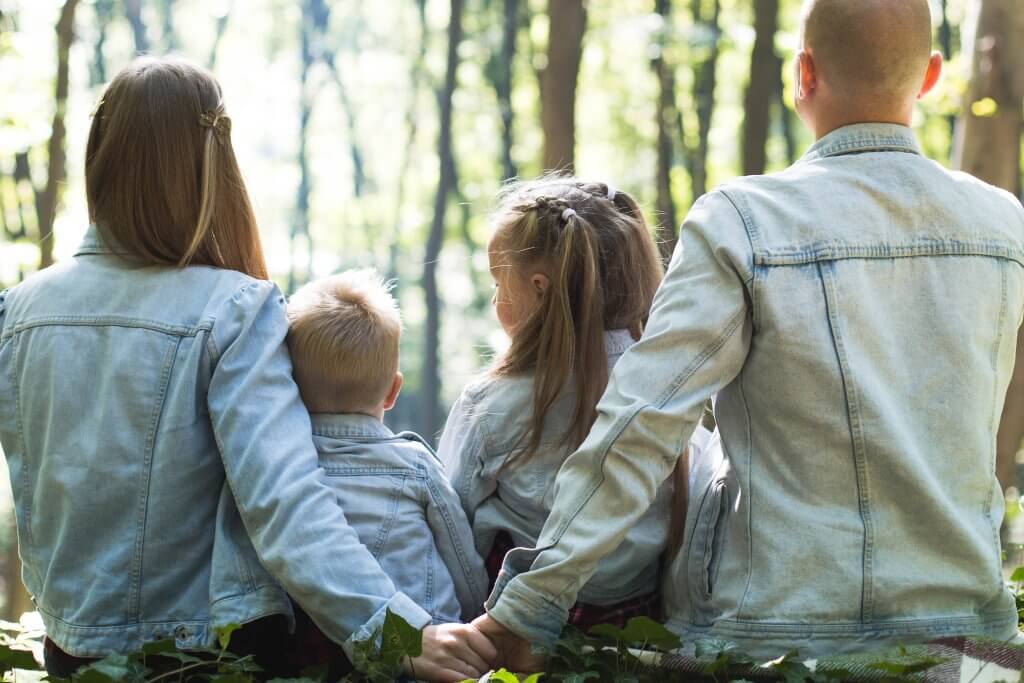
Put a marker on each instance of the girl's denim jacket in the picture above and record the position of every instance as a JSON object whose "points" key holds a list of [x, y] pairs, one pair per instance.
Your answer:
{"points": [[165, 480], [486, 428], [396, 496], [857, 317]]}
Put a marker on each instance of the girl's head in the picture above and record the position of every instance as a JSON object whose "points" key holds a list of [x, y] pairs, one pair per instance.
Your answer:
{"points": [[161, 177], [570, 259]]}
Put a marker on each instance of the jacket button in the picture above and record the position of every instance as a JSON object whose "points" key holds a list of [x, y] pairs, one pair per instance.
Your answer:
{"points": [[181, 632]]}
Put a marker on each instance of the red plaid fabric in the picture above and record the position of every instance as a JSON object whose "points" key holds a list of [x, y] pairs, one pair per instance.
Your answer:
{"points": [[582, 616]]}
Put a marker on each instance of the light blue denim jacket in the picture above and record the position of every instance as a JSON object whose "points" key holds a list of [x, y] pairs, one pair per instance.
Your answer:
{"points": [[486, 427], [164, 474], [396, 496], [857, 317]]}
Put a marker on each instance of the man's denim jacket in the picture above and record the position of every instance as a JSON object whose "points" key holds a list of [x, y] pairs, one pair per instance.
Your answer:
{"points": [[857, 317], [486, 427], [165, 479], [396, 496]]}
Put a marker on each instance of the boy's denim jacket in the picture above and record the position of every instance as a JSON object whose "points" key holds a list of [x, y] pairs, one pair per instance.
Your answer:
{"points": [[857, 317], [396, 496], [163, 467], [486, 426]]}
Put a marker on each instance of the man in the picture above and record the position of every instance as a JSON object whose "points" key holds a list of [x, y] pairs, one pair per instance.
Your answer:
{"points": [[856, 316]]}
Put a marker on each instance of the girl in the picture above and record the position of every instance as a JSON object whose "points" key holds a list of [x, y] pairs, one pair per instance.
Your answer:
{"points": [[164, 474], [575, 271]]}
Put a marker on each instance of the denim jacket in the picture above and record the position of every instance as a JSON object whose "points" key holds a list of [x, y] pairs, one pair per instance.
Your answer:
{"points": [[486, 427], [165, 480], [857, 317], [396, 496]]}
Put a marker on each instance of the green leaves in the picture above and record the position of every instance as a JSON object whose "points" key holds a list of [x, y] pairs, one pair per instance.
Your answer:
{"points": [[224, 634], [399, 639], [640, 632]]}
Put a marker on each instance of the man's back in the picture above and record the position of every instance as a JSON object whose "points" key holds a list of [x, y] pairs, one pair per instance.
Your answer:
{"points": [[859, 498]]}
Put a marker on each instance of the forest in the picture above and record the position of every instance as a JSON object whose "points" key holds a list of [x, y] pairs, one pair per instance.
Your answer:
{"points": [[378, 134]]}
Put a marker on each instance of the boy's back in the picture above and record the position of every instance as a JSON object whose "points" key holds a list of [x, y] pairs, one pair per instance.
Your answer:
{"points": [[395, 495]]}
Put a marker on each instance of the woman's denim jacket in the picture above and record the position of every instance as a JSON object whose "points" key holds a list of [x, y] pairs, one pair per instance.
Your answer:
{"points": [[857, 317], [396, 496], [486, 428], [165, 479]]}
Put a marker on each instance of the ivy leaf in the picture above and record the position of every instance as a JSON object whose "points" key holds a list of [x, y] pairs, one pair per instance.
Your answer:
{"points": [[1018, 575], [182, 657], [159, 647], [907, 664], [112, 668], [789, 667], [646, 631], [580, 677], [612, 633], [399, 639], [503, 676], [224, 634], [16, 659], [712, 647], [533, 678]]}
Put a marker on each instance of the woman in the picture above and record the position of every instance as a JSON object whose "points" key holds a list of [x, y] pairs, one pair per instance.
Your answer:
{"points": [[164, 475]]}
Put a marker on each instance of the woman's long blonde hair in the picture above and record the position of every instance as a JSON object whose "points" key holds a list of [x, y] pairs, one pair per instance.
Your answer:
{"points": [[603, 268], [162, 180]]}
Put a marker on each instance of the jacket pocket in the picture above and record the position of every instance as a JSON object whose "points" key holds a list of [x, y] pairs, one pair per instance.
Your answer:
{"points": [[705, 549]]}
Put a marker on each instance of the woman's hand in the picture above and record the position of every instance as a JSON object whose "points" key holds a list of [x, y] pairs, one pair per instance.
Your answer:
{"points": [[514, 653], [452, 653]]}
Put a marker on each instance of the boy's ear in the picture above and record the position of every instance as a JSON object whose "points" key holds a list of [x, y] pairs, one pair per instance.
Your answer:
{"points": [[540, 282], [396, 389]]}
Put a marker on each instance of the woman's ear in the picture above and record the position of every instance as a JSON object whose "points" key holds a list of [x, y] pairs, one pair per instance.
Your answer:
{"points": [[540, 283]]}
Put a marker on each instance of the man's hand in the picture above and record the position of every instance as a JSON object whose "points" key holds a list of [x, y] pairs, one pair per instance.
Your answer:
{"points": [[513, 652], [452, 653]]}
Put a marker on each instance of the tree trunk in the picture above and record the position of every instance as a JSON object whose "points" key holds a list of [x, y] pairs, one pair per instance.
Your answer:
{"points": [[987, 145], [568, 20], [48, 200], [431, 375], [667, 115], [503, 84], [704, 81], [133, 11], [300, 224], [104, 15], [170, 39], [757, 103]]}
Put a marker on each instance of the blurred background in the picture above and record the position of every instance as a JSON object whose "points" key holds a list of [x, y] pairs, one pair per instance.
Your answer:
{"points": [[377, 133]]}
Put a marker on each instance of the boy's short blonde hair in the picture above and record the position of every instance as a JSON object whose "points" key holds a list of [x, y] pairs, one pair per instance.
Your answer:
{"points": [[343, 335]]}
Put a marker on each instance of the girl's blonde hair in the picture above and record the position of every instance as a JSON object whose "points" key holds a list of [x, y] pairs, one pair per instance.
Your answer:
{"points": [[161, 177], [604, 268]]}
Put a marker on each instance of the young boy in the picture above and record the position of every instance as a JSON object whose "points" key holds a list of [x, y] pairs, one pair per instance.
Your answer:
{"points": [[343, 337]]}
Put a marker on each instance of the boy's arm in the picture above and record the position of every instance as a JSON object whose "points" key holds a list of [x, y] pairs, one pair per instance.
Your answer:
{"points": [[462, 451], [454, 540], [695, 343]]}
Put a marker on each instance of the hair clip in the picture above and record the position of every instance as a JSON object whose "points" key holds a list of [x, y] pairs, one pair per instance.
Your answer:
{"points": [[218, 121], [567, 214], [611, 192]]}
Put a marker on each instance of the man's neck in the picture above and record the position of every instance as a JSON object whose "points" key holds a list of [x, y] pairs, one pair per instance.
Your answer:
{"points": [[828, 119]]}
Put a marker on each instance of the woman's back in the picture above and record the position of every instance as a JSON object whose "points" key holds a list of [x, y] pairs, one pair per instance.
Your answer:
{"points": [[105, 370]]}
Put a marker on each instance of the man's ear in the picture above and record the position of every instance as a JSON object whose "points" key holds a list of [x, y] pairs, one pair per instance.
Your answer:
{"points": [[396, 389], [931, 77], [806, 75], [540, 283]]}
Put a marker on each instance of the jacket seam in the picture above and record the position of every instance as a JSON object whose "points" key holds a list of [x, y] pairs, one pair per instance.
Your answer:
{"points": [[826, 272], [26, 484], [453, 536], [817, 252], [996, 416], [750, 498], [110, 321], [135, 590]]}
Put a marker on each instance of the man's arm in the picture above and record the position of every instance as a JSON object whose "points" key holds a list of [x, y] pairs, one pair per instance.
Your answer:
{"points": [[695, 343]]}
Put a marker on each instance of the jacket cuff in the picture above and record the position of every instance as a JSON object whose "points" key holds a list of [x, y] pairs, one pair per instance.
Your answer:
{"points": [[527, 613], [403, 606]]}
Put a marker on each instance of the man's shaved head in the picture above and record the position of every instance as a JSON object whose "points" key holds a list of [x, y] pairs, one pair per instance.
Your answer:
{"points": [[873, 50]]}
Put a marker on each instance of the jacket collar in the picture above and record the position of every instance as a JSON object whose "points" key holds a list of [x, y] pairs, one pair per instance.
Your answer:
{"points": [[864, 137], [92, 243], [346, 425]]}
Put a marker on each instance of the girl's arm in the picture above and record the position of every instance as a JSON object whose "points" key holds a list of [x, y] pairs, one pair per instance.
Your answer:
{"points": [[296, 526], [454, 540], [462, 450]]}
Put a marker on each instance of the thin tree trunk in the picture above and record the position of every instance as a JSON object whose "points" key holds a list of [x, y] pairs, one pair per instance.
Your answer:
{"points": [[48, 201], [170, 39], [300, 224], [431, 379], [704, 81], [667, 115], [218, 36], [786, 116], [133, 12], [764, 64], [946, 43], [568, 20], [104, 15], [988, 146], [503, 84]]}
